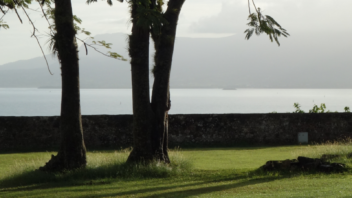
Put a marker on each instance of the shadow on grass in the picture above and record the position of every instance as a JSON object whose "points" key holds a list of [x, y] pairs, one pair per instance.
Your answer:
{"points": [[29, 179], [205, 190], [197, 188], [200, 181], [210, 184], [37, 180], [244, 147]]}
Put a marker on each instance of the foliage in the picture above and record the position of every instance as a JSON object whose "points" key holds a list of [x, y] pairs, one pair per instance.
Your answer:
{"points": [[150, 17], [3, 24], [347, 109], [12, 4], [264, 24], [316, 109], [6, 5], [49, 14], [298, 108]]}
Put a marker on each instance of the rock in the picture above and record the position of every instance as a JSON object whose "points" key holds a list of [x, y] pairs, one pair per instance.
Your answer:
{"points": [[311, 166], [307, 160], [309, 163], [305, 164], [279, 165], [270, 165], [286, 164], [333, 167]]}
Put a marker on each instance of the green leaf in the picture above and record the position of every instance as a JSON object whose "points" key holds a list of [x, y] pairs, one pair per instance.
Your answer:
{"points": [[249, 33], [265, 24], [76, 19], [4, 25]]}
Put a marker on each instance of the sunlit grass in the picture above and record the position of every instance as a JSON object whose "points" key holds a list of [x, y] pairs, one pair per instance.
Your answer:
{"points": [[202, 172], [105, 165], [341, 148]]}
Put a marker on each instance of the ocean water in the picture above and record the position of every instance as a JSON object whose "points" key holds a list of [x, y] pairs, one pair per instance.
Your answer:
{"points": [[46, 102]]}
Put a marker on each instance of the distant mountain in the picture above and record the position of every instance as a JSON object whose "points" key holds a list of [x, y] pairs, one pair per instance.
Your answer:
{"points": [[230, 62], [96, 70]]}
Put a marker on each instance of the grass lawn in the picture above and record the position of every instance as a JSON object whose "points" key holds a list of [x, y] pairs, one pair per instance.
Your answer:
{"points": [[199, 172]]}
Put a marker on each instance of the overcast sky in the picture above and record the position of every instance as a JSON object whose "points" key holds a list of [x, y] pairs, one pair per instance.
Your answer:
{"points": [[199, 18]]}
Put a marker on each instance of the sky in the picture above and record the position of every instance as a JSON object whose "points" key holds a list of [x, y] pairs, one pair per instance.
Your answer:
{"points": [[198, 19]]}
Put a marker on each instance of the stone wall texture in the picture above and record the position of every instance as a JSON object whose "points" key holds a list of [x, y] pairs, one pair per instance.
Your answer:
{"points": [[115, 131]]}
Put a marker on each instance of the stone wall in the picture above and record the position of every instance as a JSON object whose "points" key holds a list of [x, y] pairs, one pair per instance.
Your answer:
{"points": [[114, 131]]}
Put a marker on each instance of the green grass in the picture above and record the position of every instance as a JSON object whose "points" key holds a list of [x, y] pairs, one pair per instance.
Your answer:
{"points": [[206, 172]]}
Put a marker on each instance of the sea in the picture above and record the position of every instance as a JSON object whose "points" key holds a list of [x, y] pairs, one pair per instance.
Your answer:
{"points": [[46, 102]]}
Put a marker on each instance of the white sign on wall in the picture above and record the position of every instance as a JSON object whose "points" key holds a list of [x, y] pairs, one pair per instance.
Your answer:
{"points": [[303, 137]]}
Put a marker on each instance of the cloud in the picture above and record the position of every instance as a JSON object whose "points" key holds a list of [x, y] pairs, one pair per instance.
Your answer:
{"points": [[293, 15], [231, 19]]}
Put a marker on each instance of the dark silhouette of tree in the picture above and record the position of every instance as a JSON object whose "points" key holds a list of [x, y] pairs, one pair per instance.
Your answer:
{"points": [[150, 118], [72, 153], [142, 112], [161, 102], [150, 128]]}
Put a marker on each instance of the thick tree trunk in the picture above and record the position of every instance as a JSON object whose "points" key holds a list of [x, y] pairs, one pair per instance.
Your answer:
{"points": [[161, 102], [72, 154], [142, 114], [150, 123]]}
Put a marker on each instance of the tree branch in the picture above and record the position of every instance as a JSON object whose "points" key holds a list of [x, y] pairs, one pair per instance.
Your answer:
{"points": [[259, 14], [86, 44], [2, 11], [5, 12], [41, 7], [18, 15], [255, 6], [35, 36]]}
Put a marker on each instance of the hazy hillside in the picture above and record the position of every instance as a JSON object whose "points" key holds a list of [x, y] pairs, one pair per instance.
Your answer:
{"points": [[207, 63]]}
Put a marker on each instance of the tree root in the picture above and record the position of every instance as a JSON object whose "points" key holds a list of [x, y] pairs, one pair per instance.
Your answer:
{"points": [[59, 164]]}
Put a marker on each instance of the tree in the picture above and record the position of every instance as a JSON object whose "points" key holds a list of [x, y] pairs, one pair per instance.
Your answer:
{"points": [[150, 119], [152, 133], [161, 102], [72, 153], [157, 112], [139, 53]]}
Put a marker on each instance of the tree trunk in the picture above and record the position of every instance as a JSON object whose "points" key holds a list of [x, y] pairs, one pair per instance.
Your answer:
{"points": [[72, 153], [150, 122], [142, 114], [161, 102]]}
